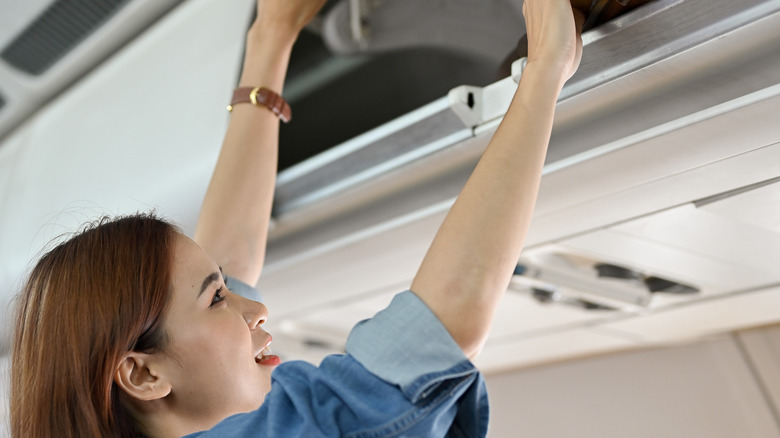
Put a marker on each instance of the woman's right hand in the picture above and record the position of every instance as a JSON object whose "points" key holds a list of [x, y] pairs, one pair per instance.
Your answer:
{"points": [[554, 35]]}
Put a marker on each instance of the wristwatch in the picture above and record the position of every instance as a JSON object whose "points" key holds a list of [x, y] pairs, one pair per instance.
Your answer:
{"points": [[261, 96]]}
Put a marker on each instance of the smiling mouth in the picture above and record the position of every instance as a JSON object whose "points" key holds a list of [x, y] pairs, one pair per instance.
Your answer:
{"points": [[265, 357]]}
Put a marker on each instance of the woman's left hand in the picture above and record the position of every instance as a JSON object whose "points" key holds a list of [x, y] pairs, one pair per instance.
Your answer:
{"points": [[291, 15]]}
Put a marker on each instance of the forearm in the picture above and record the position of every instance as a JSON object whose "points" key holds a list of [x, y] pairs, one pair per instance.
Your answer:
{"points": [[471, 260], [234, 219]]}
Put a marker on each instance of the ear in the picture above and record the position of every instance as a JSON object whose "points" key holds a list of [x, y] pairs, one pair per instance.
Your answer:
{"points": [[139, 376]]}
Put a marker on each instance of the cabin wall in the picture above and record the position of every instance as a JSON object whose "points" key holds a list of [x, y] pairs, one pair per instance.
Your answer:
{"points": [[721, 387]]}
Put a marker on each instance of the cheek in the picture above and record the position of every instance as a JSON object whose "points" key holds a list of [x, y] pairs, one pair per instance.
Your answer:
{"points": [[217, 342], [225, 340]]}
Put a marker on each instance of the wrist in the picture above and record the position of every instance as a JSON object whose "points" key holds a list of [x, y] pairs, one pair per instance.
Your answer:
{"points": [[540, 86], [550, 73], [276, 34], [266, 58]]}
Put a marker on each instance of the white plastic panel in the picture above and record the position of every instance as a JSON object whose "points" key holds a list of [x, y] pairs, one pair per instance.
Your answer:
{"points": [[711, 235], [717, 315], [680, 264], [759, 207], [367, 261], [521, 315], [702, 182], [506, 354], [330, 324], [673, 148], [665, 170]]}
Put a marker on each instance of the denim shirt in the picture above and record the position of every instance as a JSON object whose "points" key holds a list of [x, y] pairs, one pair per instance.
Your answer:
{"points": [[402, 376]]}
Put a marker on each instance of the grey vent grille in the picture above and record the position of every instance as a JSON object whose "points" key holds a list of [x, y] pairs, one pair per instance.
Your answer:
{"points": [[62, 26]]}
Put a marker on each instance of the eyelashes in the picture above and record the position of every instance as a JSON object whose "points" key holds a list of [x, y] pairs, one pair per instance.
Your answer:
{"points": [[218, 296]]}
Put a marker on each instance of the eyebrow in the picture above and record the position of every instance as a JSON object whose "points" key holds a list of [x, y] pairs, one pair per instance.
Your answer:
{"points": [[213, 277]]}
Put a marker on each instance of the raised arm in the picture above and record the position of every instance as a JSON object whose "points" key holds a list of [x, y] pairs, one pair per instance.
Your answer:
{"points": [[471, 260], [233, 223]]}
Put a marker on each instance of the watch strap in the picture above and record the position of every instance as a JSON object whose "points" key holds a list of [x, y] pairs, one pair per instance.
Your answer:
{"points": [[261, 96]]}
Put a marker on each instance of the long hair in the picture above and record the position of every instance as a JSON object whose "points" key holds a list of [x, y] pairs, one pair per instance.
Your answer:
{"points": [[86, 303]]}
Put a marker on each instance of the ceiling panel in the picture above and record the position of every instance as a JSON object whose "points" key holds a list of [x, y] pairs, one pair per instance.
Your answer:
{"points": [[330, 324], [508, 354], [620, 203], [678, 264], [698, 139], [365, 261], [712, 235], [520, 314], [716, 315], [759, 207]]}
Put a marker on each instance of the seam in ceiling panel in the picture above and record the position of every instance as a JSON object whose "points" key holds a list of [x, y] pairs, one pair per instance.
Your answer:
{"points": [[60, 28]]}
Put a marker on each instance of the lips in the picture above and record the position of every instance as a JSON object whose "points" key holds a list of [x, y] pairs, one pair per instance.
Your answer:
{"points": [[265, 357], [269, 360]]}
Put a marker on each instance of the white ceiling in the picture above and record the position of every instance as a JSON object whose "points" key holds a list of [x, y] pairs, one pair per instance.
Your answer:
{"points": [[142, 132]]}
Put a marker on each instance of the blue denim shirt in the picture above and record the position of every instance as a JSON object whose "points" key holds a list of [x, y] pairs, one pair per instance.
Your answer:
{"points": [[403, 376]]}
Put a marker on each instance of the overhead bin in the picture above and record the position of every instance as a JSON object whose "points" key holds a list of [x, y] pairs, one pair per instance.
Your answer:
{"points": [[667, 64]]}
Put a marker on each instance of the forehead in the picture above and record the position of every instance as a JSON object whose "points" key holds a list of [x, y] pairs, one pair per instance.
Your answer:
{"points": [[191, 265]]}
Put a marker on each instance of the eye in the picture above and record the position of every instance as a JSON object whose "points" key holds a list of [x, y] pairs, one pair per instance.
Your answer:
{"points": [[218, 297]]}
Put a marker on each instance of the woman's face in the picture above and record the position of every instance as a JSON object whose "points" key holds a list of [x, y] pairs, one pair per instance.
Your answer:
{"points": [[215, 338]]}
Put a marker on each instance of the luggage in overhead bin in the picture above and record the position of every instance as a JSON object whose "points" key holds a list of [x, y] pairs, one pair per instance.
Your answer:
{"points": [[596, 12], [601, 11]]}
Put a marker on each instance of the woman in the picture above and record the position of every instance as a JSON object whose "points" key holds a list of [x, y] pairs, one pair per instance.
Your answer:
{"points": [[132, 329]]}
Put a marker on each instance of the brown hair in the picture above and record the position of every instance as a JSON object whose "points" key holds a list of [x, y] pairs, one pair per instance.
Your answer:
{"points": [[86, 303]]}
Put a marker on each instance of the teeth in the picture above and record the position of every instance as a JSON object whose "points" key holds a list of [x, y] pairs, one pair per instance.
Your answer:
{"points": [[266, 352]]}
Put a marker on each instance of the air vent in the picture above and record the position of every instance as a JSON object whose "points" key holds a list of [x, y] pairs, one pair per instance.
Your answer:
{"points": [[2, 102], [557, 277], [60, 28]]}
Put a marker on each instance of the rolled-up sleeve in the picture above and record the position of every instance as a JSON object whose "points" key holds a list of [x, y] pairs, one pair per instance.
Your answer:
{"points": [[407, 346], [404, 343]]}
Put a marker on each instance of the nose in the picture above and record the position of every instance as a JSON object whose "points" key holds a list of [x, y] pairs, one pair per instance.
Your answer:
{"points": [[255, 313]]}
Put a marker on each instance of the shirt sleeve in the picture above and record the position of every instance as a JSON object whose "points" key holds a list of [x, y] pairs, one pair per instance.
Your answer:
{"points": [[407, 346], [404, 343]]}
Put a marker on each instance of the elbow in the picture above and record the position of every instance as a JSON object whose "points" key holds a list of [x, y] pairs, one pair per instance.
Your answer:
{"points": [[464, 308], [470, 339], [473, 349]]}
